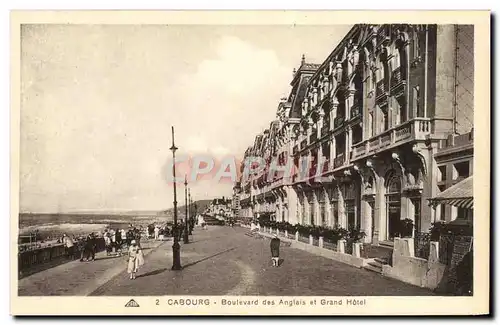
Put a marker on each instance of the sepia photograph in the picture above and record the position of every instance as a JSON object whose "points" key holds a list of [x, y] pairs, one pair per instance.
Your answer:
{"points": [[251, 165]]}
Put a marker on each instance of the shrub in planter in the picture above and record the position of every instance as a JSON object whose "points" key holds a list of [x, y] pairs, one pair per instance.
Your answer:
{"points": [[303, 230], [406, 228], [438, 228], [333, 235], [290, 228], [355, 235], [316, 231]]}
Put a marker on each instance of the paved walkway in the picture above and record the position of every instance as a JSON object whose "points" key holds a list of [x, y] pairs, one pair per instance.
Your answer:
{"points": [[223, 261], [77, 278]]}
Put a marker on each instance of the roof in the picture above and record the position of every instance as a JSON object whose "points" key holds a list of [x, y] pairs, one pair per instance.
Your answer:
{"points": [[459, 195]]}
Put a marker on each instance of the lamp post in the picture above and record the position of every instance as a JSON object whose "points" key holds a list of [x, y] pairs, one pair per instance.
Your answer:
{"points": [[190, 214], [176, 248], [186, 231]]}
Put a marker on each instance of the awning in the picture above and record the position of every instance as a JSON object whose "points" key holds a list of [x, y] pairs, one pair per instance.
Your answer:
{"points": [[459, 195]]}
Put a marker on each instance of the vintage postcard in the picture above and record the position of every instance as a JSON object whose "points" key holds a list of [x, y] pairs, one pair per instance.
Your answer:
{"points": [[250, 163]]}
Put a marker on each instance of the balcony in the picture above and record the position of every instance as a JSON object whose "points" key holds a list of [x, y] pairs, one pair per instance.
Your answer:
{"points": [[359, 149], [338, 122], [397, 78], [339, 161], [355, 110], [414, 130], [314, 136], [383, 35], [303, 144], [325, 128], [326, 166], [381, 91]]}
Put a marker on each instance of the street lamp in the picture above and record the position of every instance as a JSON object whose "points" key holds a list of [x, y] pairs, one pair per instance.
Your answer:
{"points": [[186, 231], [176, 248], [190, 214]]}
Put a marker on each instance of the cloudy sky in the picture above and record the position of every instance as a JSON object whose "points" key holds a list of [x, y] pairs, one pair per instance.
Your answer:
{"points": [[98, 103]]}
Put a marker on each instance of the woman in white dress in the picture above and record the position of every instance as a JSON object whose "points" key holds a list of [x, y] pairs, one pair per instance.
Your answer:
{"points": [[135, 259]]}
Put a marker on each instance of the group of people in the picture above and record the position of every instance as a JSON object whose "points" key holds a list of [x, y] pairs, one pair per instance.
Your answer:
{"points": [[115, 239], [86, 247]]}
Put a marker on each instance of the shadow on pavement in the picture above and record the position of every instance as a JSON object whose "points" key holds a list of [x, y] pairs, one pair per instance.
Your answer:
{"points": [[208, 257], [155, 272], [207, 239], [281, 261]]}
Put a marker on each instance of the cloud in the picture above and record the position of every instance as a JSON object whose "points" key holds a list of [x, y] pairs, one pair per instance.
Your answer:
{"points": [[97, 112], [232, 96]]}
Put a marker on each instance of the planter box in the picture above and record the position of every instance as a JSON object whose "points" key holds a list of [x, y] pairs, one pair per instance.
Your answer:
{"points": [[329, 245], [348, 247], [315, 241], [303, 239]]}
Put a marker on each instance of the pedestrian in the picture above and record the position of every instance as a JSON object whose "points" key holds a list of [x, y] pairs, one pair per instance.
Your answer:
{"points": [[70, 246], [157, 232], [108, 243], [135, 259], [275, 250]]}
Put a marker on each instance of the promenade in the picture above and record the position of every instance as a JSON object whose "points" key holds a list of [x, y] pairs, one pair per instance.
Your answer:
{"points": [[218, 261]]}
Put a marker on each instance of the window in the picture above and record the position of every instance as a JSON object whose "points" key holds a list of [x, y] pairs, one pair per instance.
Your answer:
{"points": [[442, 210], [416, 101], [357, 134], [416, 45], [323, 214], [371, 124], [335, 213], [442, 173], [462, 170], [385, 121]]}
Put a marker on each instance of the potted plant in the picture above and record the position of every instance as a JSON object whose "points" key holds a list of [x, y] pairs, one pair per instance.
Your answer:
{"points": [[406, 228], [437, 229], [354, 235]]}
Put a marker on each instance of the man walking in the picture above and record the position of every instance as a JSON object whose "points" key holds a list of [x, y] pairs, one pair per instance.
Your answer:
{"points": [[70, 246], [275, 250]]}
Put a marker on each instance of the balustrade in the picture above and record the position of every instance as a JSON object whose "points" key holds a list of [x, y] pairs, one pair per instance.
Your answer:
{"points": [[339, 161], [359, 149], [396, 77], [339, 120], [381, 88], [325, 128], [313, 137]]}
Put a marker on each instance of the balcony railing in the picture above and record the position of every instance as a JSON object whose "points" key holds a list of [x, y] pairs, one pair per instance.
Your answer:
{"points": [[303, 144], [382, 35], [355, 110], [396, 78], [325, 128], [339, 120], [326, 166], [359, 149], [313, 137], [415, 129], [339, 161], [381, 91]]}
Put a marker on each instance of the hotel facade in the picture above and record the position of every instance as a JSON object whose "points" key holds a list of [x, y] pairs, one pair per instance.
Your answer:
{"points": [[373, 118]]}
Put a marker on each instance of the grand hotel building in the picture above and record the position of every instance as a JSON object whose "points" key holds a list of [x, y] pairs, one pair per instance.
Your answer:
{"points": [[376, 111]]}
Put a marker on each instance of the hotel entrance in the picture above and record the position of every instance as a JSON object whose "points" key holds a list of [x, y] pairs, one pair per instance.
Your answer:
{"points": [[393, 204]]}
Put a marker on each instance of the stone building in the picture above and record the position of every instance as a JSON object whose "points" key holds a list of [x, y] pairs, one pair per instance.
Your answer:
{"points": [[362, 131]]}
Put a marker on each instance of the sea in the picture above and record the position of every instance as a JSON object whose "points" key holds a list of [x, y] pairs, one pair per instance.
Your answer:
{"points": [[57, 224]]}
